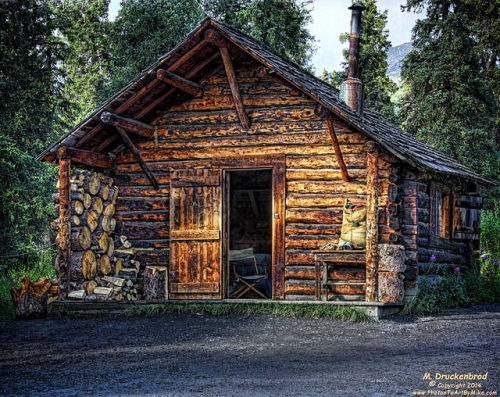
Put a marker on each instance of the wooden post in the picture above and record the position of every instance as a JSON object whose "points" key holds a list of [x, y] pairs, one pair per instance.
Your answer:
{"points": [[233, 84], [371, 221], [64, 237]]}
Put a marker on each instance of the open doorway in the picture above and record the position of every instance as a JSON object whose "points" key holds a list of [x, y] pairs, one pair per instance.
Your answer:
{"points": [[249, 237]]}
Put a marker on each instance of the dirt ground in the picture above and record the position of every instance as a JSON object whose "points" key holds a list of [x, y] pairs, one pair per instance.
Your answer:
{"points": [[246, 356]]}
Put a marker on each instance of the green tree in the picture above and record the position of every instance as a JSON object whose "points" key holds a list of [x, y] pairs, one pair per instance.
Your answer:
{"points": [[281, 24], [447, 101], [143, 31], [29, 109], [84, 29], [374, 44]]}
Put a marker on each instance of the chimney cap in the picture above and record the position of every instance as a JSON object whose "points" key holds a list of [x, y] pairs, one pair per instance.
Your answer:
{"points": [[357, 6]]}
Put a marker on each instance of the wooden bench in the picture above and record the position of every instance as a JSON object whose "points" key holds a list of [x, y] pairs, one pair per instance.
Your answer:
{"points": [[339, 273]]}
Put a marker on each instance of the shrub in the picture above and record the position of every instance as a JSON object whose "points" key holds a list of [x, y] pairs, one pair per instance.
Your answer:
{"points": [[483, 282], [490, 231]]}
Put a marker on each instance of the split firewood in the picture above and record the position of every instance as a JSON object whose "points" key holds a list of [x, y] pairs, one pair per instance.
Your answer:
{"points": [[123, 253], [104, 264], [106, 291], [114, 195], [106, 223], [111, 246], [94, 184], [77, 207], [92, 220], [87, 200], [104, 193], [78, 294], [103, 241], [120, 282], [118, 266], [109, 210], [97, 205]]}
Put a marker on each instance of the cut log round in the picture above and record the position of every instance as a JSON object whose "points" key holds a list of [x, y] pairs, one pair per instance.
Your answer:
{"points": [[87, 200], [106, 223], [106, 179], [97, 205], [104, 193], [81, 238], [109, 210], [92, 220], [75, 220], [104, 264], [111, 246], [94, 184], [103, 241], [88, 286], [83, 265], [155, 280], [77, 207], [30, 301]]}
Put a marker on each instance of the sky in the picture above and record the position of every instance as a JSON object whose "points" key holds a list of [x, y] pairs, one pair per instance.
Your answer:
{"points": [[330, 18]]}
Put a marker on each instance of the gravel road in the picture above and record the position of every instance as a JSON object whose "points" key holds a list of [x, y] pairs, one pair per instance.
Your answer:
{"points": [[246, 355]]}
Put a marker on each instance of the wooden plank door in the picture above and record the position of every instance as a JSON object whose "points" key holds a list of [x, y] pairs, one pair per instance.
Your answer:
{"points": [[195, 233]]}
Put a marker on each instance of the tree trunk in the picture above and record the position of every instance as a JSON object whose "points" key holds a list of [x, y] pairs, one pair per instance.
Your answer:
{"points": [[155, 280], [30, 301]]}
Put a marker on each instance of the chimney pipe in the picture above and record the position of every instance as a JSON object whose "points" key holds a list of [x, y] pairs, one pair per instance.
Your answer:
{"points": [[351, 90]]}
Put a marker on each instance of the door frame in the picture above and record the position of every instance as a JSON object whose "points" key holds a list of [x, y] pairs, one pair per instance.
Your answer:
{"points": [[277, 166]]}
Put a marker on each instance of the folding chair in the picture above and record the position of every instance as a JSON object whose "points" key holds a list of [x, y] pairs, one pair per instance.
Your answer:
{"points": [[250, 282]]}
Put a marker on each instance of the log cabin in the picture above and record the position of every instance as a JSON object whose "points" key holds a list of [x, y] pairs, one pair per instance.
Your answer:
{"points": [[222, 149]]}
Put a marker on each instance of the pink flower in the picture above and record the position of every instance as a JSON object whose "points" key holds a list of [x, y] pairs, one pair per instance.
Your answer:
{"points": [[457, 269], [433, 258]]}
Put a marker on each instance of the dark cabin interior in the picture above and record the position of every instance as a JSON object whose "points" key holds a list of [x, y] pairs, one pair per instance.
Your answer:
{"points": [[250, 234]]}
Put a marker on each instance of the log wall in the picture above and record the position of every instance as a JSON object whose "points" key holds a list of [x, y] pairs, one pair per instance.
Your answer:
{"points": [[282, 123]]}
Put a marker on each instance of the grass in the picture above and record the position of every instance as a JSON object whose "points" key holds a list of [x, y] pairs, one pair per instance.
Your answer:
{"points": [[343, 313], [12, 278]]}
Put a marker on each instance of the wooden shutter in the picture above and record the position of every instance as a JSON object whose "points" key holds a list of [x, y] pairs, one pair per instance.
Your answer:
{"points": [[467, 217], [195, 231]]}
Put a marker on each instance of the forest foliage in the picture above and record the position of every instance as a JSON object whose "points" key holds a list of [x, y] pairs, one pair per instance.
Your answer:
{"points": [[62, 58]]}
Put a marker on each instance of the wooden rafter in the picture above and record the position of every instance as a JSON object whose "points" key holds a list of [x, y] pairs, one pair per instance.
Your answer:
{"points": [[130, 125], [89, 158], [179, 82], [143, 91], [130, 145], [233, 84], [141, 113], [336, 148]]}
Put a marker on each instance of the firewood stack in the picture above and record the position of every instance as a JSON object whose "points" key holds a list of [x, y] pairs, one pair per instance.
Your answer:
{"points": [[103, 265]]}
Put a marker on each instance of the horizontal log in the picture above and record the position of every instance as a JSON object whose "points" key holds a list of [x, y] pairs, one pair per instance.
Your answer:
{"points": [[164, 165], [228, 152], [313, 242], [425, 254], [326, 187], [313, 216], [139, 179], [90, 158], [303, 287], [224, 102], [145, 230], [147, 216], [322, 175], [138, 191], [157, 244], [296, 229], [293, 257], [327, 161], [143, 204], [229, 116], [318, 200]]}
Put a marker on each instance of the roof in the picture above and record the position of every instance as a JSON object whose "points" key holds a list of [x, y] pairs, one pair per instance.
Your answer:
{"points": [[402, 145]]}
